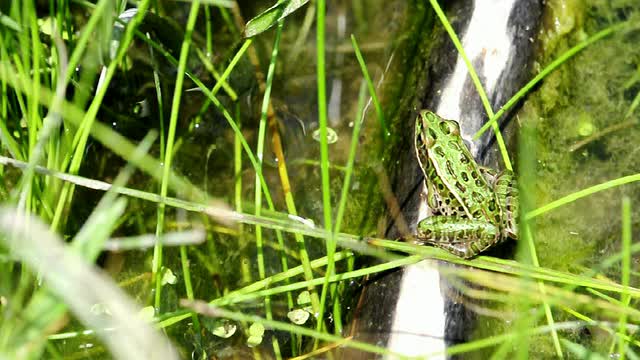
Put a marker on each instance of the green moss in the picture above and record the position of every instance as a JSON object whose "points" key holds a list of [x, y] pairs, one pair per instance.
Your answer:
{"points": [[587, 95]]}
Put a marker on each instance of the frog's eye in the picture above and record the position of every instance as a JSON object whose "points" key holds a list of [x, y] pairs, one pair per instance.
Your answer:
{"points": [[444, 126], [454, 127], [424, 139]]}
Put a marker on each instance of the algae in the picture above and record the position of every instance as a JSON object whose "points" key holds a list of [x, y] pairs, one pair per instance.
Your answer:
{"points": [[586, 134]]}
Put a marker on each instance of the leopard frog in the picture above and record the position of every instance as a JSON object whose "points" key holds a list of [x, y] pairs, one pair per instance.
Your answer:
{"points": [[474, 207]]}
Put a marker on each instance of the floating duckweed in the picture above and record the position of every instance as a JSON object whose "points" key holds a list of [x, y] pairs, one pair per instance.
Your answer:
{"points": [[224, 329], [168, 277], [304, 298], [298, 316], [147, 313], [585, 125], [256, 332], [332, 136]]}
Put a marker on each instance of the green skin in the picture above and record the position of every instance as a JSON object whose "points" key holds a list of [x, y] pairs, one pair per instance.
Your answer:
{"points": [[474, 207]]}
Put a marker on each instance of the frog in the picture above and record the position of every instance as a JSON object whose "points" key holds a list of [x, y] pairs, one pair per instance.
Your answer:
{"points": [[474, 207]]}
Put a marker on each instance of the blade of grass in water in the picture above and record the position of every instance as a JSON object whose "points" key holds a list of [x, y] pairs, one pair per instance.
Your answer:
{"points": [[258, 190], [32, 68], [582, 352], [237, 168], [187, 237], [509, 267], [625, 298], [372, 89], [346, 185], [299, 44], [580, 194], [475, 79], [527, 252], [360, 273], [528, 236], [600, 325], [168, 157], [216, 75], [225, 73], [324, 153]]}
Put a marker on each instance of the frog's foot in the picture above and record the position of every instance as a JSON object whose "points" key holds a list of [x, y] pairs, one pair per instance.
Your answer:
{"points": [[461, 236]]}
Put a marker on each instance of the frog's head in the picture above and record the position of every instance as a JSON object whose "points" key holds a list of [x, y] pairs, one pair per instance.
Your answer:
{"points": [[431, 127]]}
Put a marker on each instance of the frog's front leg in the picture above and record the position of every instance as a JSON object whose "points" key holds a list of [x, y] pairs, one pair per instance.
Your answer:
{"points": [[463, 237]]}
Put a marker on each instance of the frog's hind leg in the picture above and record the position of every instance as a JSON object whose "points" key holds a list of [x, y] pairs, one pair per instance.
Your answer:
{"points": [[463, 237], [506, 189]]}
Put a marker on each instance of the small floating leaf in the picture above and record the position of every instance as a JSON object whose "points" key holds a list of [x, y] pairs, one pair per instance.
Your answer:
{"points": [[224, 329], [256, 332], [253, 341], [147, 313], [332, 136], [168, 277], [256, 329], [269, 17], [585, 125], [304, 298], [298, 316]]}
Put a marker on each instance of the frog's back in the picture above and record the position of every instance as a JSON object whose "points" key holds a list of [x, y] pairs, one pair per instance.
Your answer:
{"points": [[451, 164]]}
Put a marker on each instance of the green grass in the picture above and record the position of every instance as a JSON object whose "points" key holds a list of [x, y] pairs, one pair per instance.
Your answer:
{"points": [[48, 136]]}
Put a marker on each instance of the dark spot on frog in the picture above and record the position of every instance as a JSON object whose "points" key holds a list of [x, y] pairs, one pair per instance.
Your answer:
{"points": [[432, 133], [477, 197], [438, 150], [450, 168]]}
